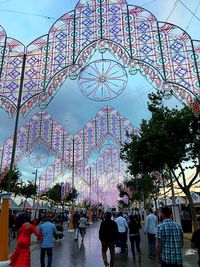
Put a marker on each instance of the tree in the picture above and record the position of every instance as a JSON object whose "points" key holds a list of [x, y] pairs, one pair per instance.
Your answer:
{"points": [[29, 189], [169, 140], [13, 179], [123, 204], [72, 195], [140, 188], [54, 193]]}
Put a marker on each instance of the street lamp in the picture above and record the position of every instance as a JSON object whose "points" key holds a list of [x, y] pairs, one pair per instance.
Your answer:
{"points": [[35, 195]]}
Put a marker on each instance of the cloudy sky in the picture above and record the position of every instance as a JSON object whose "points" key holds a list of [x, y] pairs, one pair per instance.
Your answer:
{"points": [[26, 20]]}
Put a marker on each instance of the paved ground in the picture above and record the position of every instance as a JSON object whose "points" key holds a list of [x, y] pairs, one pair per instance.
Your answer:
{"points": [[68, 253]]}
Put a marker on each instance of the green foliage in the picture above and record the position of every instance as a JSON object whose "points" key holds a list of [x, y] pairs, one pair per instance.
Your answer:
{"points": [[29, 189], [169, 140], [13, 179], [139, 188], [171, 136], [86, 203], [72, 195], [121, 190], [54, 193], [122, 204]]}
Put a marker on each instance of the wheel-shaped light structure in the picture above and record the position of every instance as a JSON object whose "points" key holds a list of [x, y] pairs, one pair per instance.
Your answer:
{"points": [[103, 80], [38, 157]]}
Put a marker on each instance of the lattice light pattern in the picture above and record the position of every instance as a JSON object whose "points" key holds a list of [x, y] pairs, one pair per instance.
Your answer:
{"points": [[162, 52]]}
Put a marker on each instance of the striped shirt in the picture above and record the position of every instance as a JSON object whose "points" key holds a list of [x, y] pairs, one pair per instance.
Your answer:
{"points": [[171, 238]]}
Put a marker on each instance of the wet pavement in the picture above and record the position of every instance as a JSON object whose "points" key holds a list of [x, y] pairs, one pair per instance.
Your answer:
{"points": [[70, 253]]}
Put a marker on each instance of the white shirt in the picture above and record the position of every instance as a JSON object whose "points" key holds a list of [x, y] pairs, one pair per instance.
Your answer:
{"points": [[151, 224], [121, 224]]}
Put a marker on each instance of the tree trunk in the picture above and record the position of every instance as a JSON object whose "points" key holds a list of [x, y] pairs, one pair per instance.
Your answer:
{"points": [[192, 209], [25, 204]]}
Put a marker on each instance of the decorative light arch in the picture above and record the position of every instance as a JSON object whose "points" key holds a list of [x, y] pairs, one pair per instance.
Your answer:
{"points": [[162, 52], [101, 177], [43, 129]]}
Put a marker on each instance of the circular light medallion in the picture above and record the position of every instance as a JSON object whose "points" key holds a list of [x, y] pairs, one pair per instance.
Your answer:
{"points": [[38, 157], [103, 80]]}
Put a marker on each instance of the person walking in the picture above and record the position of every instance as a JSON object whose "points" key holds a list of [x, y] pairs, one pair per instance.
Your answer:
{"points": [[108, 235], [134, 235], [122, 229], [76, 218], [169, 241], [48, 231], [195, 241], [59, 228], [83, 225], [150, 229], [21, 255]]}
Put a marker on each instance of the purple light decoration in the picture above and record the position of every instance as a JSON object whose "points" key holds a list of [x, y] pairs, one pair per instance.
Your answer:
{"points": [[161, 52], [62, 191], [125, 199]]}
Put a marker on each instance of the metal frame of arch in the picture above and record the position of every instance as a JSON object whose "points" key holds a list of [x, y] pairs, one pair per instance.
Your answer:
{"points": [[162, 52], [73, 151], [94, 182], [43, 129]]}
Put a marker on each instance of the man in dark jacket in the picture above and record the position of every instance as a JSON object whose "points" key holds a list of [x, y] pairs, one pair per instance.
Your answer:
{"points": [[108, 235]]}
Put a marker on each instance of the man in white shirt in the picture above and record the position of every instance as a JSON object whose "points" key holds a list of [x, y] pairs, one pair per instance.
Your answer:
{"points": [[122, 229], [151, 230]]}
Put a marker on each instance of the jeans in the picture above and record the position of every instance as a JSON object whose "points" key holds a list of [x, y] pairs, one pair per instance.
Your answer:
{"points": [[82, 232], [42, 256], [163, 264], [135, 241], [123, 241], [111, 246], [152, 244], [76, 231]]}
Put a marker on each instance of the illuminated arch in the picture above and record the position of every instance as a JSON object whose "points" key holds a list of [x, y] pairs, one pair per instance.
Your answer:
{"points": [[162, 52], [43, 129]]}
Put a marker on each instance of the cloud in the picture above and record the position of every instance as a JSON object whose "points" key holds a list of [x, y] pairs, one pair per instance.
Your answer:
{"points": [[69, 107]]}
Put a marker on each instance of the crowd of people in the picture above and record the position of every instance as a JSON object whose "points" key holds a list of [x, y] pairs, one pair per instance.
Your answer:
{"points": [[165, 237], [49, 229]]}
